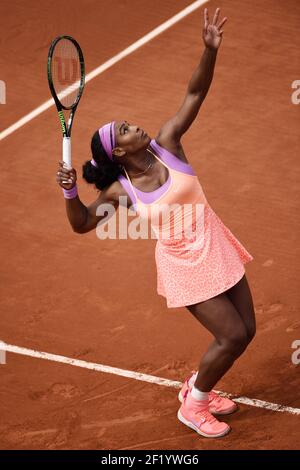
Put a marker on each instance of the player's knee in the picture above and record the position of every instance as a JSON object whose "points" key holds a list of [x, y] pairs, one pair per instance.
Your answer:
{"points": [[237, 342]]}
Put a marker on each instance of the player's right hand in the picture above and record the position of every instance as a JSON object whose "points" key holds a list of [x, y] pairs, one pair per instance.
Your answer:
{"points": [[66, 178]]}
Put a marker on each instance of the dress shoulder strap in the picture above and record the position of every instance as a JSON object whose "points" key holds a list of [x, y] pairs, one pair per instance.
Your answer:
{"points": [[131, 185], [159, 159]]}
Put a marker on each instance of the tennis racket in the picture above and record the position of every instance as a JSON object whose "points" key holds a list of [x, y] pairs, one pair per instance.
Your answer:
{"points": [[66, 77]]}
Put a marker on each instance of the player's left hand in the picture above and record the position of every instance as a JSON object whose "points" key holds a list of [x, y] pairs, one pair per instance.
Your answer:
{"points": [[212, 33]]}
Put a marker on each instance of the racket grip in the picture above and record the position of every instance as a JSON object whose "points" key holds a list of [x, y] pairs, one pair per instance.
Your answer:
{"points": [[67, 151]]}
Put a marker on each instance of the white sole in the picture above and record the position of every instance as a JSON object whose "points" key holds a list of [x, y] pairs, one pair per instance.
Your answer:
{"points": [[220, 413], [192, 426]]}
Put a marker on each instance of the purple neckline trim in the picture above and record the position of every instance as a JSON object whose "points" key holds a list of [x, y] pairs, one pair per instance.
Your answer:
{"points": [[172, 161], [154, 190], [150, 196]]}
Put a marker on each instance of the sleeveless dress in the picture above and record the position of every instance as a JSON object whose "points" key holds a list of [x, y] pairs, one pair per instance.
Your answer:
{"points": [[197, 256]]}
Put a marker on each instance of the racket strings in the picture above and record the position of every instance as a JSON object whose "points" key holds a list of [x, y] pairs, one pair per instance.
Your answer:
{"points": [[66, 72]]}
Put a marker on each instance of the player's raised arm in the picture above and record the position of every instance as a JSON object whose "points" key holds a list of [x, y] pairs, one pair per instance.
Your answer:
{"points": [[200, 81]]}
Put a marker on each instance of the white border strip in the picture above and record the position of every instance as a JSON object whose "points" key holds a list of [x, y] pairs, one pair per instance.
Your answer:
{"points": [[138, 376], [109, 63]]}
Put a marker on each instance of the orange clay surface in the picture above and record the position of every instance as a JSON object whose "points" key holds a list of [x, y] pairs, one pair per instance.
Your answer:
{"points": [[96, 300]]}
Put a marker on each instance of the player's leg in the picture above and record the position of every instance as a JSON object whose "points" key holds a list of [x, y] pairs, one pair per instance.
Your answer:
{"points": [[219, 316], [240, 296]]}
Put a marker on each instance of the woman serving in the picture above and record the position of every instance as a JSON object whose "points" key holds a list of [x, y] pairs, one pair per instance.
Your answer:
{"points": [[203, 271]]}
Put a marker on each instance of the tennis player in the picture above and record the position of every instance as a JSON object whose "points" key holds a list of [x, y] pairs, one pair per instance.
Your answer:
{"points": [[203, 272]]}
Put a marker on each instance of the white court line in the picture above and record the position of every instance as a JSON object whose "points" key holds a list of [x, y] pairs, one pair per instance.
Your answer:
{"points": [[109, 63], [139, 376]]}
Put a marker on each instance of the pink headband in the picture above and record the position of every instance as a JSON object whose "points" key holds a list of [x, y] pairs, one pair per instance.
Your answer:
{"points": [[108, 140]]}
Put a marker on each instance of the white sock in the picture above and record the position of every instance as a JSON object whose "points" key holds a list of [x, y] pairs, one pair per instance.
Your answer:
{"points": [[198, 395], [193, 378]]}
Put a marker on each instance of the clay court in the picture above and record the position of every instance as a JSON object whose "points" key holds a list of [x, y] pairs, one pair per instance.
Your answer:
{"points": [[95, 300]]}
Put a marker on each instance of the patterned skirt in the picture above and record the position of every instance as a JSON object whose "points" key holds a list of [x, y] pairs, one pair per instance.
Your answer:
{"points": [[201, 264]]}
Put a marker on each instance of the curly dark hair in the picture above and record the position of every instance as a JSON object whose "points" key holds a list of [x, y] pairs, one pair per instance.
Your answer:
{"points": [[107, 171]]}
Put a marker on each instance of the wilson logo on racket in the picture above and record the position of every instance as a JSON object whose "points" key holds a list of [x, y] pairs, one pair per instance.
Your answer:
{"points": [[67, 70], [62, 121]]}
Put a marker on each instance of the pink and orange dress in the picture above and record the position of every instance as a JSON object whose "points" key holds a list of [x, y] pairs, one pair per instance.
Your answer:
{"points": [[197, 256]]}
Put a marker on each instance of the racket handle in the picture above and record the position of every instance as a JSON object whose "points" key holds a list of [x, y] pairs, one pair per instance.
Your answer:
{"points": [[67, 151]]}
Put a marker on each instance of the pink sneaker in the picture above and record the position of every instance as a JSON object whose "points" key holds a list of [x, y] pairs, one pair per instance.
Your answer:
{"points": [[194, 414], [217, 405]]}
